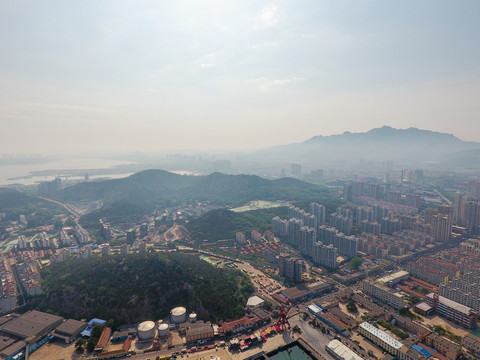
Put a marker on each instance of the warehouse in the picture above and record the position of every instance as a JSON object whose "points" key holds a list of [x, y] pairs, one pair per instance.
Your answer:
{"points": [[34, 324], [340, 351], [69, 330], [199, 331]]}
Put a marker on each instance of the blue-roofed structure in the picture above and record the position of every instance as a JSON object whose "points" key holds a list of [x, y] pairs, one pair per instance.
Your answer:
{"points": [[422, 350]]}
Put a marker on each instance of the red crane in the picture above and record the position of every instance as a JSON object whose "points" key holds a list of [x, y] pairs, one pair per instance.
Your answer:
{"points": [[282, 321]]}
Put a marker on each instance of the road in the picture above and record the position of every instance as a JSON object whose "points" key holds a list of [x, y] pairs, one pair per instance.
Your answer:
{"points": [[443, 197], [65, 206]]}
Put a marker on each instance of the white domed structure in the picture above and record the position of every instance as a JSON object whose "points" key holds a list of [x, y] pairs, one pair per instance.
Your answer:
{"points": [[192, 317], [178, 315], [163, 330], [146, 330]]}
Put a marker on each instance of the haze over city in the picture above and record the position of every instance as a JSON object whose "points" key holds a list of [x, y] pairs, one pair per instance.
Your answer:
{"points": [[78, 77]]}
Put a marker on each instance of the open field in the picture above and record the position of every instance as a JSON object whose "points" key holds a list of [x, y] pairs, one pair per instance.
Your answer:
{"points": [[454, 328], [259, 205]]}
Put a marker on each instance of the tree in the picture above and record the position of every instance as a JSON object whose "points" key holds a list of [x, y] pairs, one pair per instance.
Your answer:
{"points": [[79, 345], [91, 344], [351, 306], [413, 299], [356, 262], [97, 331]]}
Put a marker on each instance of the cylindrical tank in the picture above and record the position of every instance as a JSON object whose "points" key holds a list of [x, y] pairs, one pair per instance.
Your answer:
{"points": [[163, 330], [178, 315], [146, 330], [192, 317]]}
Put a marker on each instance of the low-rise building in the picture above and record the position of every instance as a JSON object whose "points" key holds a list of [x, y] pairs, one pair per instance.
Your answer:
{"points": [[199, 331], [340, 351], [69, 330], [472, 345], [380, 338], [384, 294], [452, 310]]}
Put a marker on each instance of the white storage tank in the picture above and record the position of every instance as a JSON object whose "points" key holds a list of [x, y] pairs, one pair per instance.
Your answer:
{"points": [[192, 317], [146, 330], [178, 315], [163, 330]]}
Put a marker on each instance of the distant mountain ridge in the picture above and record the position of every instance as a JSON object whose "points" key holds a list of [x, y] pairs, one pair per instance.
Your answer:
{"points": [[384, 143]]}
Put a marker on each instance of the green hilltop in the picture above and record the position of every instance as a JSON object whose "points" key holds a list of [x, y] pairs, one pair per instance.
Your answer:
{"points": [[143, 191], [139, 287]]}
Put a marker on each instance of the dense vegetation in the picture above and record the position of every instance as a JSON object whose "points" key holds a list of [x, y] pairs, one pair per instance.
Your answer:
{"points": [[142, 192], [221, 224], [37, 211], [136, 287], [401, 334]]}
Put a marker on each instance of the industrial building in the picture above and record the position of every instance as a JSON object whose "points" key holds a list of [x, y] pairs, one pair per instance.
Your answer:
{"points": [[33, 325], [340, 351], [199, 331], [380, 338], [69, 330], [255, 302]]}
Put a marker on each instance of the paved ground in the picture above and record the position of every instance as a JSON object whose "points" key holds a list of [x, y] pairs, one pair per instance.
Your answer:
{"points": [[314, 337], [367, 345], [56, 351]]}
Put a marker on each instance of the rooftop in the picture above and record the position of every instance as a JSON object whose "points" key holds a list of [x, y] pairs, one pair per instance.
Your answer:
{"points": [[392, 277], [381, 335], [70, 327], [342, 351], [199, 328], [254, 301], [31, 323], [452, 304]]}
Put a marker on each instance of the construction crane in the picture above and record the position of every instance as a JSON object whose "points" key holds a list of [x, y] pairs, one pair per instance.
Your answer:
{"points": [[282, 321]]}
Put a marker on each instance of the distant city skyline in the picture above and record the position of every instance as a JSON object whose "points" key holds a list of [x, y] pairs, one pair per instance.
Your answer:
{"points": [[124, 76]]}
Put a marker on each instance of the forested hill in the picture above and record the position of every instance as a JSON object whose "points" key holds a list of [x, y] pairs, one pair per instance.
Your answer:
{"points": [[143, 191], [157, 186], [222, 224], [140, 287], [37, 211]]}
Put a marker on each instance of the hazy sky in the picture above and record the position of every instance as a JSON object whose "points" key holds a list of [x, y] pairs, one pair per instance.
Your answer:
{"points": [[82, 76]]}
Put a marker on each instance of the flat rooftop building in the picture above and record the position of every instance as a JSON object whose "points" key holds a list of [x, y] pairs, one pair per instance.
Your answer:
{"points": [[379, 337], [69, 330], [394, 278], [32, 324]]}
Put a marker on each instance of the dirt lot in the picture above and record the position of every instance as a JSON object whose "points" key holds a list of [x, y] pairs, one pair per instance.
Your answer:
{"points": [[356, 315], [269, 285], [454, 328], [56, 351], [367, 345]]}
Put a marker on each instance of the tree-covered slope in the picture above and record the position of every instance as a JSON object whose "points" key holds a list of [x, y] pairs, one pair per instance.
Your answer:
{"points": [[142, 192], [37, 211], [136, 287], [222, 224]]}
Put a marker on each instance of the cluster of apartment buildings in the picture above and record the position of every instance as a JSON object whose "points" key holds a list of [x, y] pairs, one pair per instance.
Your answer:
{"points": [[427, 273], [8, 286], [28, 273], [290, 267]]}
